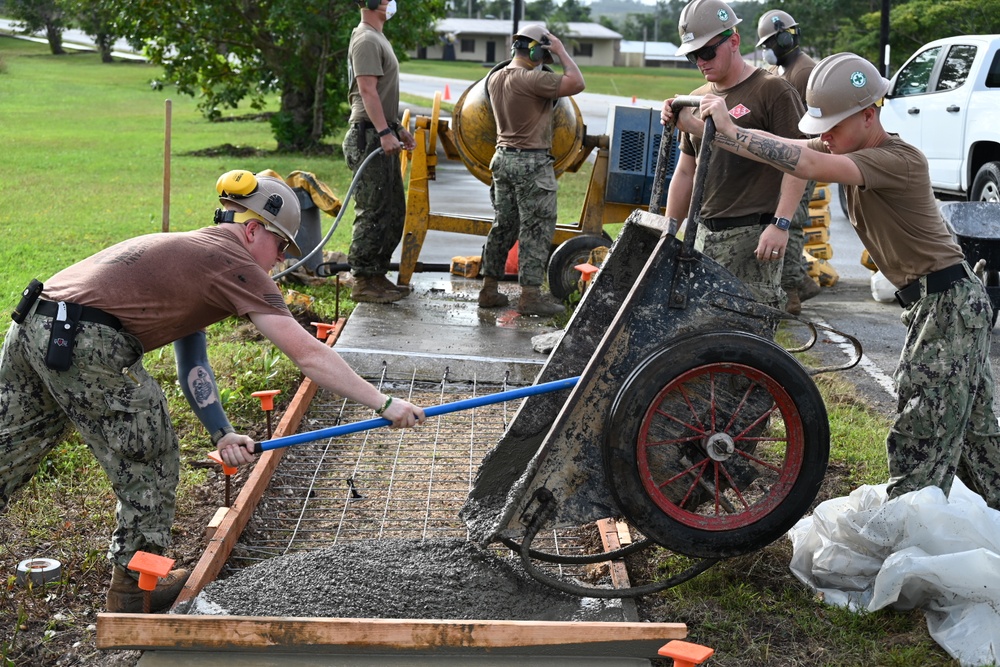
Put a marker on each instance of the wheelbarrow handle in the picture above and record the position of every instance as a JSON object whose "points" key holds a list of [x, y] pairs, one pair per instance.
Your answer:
{"points": [[668, 140], [432, 411]]}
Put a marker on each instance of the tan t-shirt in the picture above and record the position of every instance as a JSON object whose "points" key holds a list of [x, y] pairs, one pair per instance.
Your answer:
{"points": [[734, 185], [371, 54], [895, 212], [164, 287], [522, 101]]}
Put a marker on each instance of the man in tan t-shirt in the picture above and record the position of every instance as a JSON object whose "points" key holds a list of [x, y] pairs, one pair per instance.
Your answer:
{"points": [[379, 197], [73, 358], [523, 191], [945, 424]]}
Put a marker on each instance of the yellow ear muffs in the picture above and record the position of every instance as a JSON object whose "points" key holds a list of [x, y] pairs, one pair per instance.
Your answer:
{"points": [[236, 183]]}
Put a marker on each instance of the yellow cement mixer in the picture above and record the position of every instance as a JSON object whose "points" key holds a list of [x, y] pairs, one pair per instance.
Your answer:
{"points": [[619, 182]]}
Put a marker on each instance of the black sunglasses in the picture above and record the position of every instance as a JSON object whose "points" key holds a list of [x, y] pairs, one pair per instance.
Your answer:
{"points": [[707, 52], [283, 243]]}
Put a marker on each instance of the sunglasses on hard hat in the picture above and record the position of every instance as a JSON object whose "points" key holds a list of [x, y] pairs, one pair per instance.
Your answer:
{"points": [[707, 52]]}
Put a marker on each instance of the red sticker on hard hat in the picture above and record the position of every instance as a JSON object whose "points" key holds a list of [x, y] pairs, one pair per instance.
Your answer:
{"points": [[739, 111]]}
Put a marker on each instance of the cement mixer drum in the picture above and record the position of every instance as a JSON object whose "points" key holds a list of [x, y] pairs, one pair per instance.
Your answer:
{"points": [[476, 136]]}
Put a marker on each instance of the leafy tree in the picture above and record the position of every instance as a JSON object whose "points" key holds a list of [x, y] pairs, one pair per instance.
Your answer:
{"points": [[96, 18], [35, 15], [227, 53], [917, 22]]}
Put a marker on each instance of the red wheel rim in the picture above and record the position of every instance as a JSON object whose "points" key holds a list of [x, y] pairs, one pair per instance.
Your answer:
{"points": [[708, 432]]}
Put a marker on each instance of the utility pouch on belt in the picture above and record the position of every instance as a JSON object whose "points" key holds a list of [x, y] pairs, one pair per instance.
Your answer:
{"points": [[28, 298], [59, 356]]}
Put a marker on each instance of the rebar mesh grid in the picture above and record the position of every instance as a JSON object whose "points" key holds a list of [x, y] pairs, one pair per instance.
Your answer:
{"points": [[382, 483]]}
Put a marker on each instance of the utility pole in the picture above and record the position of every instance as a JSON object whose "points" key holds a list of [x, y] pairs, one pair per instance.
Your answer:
{"points": [[516, 15], [883, 42]]}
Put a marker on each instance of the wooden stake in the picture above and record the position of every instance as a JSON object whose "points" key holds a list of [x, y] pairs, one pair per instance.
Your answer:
{"points": [[166, 168]]}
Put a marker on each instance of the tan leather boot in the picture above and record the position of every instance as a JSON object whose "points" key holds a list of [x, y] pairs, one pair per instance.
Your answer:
{"points": [[125, 596], [390, 286], [794, 304], [490, 296], [368, 289], [533, 302], [808, 288]]}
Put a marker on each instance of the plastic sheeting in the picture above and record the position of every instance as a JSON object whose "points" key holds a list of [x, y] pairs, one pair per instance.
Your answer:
{"points": [[921, 550]]}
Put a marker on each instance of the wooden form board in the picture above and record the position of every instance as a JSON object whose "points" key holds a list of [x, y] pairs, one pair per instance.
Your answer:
{"points": [[278, 634]]}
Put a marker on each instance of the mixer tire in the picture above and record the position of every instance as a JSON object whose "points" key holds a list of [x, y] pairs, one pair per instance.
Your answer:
{"points": [[562, 274], [716, 444]]}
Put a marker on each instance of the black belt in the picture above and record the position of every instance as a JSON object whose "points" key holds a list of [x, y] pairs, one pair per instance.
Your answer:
{"points": [[95, 315], [511, 149], [721, 224], [936, 282]]}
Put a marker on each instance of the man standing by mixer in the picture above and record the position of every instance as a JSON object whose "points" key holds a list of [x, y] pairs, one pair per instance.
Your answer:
{"points": [[523, 96]]}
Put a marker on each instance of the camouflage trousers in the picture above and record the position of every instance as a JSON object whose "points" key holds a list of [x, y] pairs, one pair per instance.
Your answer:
{"points": [[946, 424], [379, 205], [735, 249], [793, 268], [523, 194], [119, 410]]}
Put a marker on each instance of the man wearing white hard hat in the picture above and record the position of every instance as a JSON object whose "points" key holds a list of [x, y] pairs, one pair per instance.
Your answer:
{"points": [[73, 359], [747, 208], [945, 423]]}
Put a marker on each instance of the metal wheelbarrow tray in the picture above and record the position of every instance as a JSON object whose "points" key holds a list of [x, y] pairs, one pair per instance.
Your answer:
{"points": [[976, 226]]}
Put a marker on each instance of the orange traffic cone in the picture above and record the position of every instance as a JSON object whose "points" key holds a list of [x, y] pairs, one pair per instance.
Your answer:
{"points": [[447, 92], [633, 99]]}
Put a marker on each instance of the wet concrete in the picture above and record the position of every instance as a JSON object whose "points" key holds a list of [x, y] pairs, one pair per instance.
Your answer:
{"points": [[434, 579]]}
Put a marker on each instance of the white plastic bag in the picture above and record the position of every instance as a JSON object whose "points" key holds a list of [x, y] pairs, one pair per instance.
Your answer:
{"points": [[882, 290]]}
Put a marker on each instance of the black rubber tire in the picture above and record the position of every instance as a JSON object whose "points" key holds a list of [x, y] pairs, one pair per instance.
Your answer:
{"points": [[992, 284], [986, 184], [842, 196], [661, 427], [561, 274]]}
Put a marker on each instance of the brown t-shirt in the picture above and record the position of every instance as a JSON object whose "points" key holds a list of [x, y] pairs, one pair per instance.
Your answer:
{"points": [[895, 212], [796, 70], [522, 101], [164, 287], [734, 185], [371, 54]]}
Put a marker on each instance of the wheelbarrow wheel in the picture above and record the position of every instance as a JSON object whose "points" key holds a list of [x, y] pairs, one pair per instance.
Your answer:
{"points": [[562, 273], [716, 445]]}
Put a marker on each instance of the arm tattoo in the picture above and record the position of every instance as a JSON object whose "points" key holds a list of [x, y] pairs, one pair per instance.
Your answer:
{"points": [[775, 152], [723, 140]]}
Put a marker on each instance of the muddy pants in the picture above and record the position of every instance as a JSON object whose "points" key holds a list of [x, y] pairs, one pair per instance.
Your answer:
{"points": [[946, 424], [119, 410], [379, 204], [793, 269], [524, 199], [735, 249]]}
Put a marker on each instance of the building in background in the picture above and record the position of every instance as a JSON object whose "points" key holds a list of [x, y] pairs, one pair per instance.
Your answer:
{"points": [[488, 41]]}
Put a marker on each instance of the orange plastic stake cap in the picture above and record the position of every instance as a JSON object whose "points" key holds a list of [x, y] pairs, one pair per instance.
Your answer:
{"points": [[322, 329], [226, 469], [588, 271], [150, 568], [266, 398], [686, 654]]}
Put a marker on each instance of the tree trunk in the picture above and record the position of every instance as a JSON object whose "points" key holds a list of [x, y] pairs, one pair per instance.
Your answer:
{"points": [[104, 44], [296, 126], [54, 35]]}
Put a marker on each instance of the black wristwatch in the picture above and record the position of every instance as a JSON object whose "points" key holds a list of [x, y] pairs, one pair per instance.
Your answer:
{"points": [[782, 223], [385, 132]]}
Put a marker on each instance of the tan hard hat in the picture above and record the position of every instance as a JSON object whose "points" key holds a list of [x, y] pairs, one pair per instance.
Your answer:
{"points": [[839, 86], [701, 20], [773, 22], [537, 33], [270, 198]]}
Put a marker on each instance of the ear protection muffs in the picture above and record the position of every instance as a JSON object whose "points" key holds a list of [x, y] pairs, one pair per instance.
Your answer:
{"points": [[783, 39], [370, 4], [534, 49]]}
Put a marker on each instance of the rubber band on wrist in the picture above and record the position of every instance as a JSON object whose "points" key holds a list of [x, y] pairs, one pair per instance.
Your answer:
{"points": [[385, 406]]}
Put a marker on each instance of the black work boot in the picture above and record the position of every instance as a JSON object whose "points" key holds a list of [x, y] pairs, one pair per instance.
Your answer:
{"points": [[490, 296], [368, 289], [125, 596], [533, 302]]}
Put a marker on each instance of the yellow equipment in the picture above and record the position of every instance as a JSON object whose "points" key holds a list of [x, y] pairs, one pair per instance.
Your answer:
{"points": [[471, 138]]}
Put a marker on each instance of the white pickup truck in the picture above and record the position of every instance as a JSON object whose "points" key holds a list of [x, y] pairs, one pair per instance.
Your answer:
{"points": [[946, 101]]}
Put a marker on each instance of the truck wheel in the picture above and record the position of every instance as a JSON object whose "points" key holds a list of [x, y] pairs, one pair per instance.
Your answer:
{"points": [[716, 445], [986, 185]]}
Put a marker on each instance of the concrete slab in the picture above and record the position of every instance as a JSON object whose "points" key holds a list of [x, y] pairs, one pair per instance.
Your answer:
{"points": [[440, 327]]}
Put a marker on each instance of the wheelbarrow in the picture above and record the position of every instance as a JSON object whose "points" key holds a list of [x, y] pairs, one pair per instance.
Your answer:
{"points": [[976, 227], [688, 420]]}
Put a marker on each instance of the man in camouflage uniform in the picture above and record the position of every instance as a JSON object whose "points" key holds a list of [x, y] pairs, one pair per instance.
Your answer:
{"points": [[379, 199], [523, 191], [747, 208], [945, 423], [73, 358], [779, 34]]}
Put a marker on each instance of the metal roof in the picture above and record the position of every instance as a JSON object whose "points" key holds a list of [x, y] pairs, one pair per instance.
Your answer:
{"points": [[497, 27]]}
